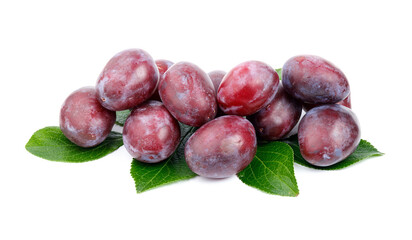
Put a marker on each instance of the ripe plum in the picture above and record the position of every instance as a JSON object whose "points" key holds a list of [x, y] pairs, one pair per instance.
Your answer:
{"points": [[83, 120], [216, 77], [128, 79], [150, 133], [278, 118], [162, 66], [188, 94], [314, 80], [328, 134], [247, 88], [345, 102], [221, 147]]}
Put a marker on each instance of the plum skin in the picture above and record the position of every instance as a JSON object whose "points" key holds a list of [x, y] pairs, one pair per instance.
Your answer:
{"points": [[128, 79], [188, 94], [221, 147], [216, 77], [314, 80], [345, 102], [328, 134], [150, 133], [83, 120], [162, 65], [247, 88], [278, 118]]}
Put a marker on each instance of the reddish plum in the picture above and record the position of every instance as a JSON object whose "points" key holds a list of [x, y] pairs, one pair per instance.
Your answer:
{"points": [[162, 66], [221, 147], [188, 94], [278, 118], [150, 133], [345, 102], [128, 79], [314, 80], [216, 77], [83, 120], [247, 88], [328, 134]]}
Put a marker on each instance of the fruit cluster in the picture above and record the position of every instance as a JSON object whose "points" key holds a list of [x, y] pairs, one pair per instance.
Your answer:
{"points": [[232, 110]]}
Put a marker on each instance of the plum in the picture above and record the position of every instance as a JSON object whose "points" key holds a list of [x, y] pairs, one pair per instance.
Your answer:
{"points": [[221, 147], [314, 80], [328, 134], [127, 80], [162, 66], [188, 94], [247, 88], [345, 102], [278, 118], [216, 77], [150, 133], [83, 120]]}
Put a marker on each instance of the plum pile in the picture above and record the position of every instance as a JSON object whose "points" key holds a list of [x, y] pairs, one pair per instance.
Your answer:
{"points": [[232, 110]]}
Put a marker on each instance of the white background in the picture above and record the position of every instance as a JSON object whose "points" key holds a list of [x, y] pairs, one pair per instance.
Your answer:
{"points": [[50, 48]]}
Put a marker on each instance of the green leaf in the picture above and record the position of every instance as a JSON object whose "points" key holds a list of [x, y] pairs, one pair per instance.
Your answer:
{"points": [[271, 170], [363, 151], [121, 117], [173, 169], [51, 144], [279, 71]]}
